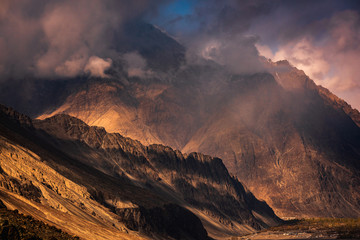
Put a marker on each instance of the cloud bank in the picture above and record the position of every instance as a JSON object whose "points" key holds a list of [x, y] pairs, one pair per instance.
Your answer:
{"points": [[218, 31], [330, 60], [66, 38], [58, 38], [317, 37]]}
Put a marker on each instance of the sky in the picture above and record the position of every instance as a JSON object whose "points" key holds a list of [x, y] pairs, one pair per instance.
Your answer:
{"points": [[65, 38]]}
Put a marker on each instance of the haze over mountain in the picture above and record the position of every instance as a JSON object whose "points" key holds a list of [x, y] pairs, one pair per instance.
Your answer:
{"points": [[279, 142], [294, 144], [108, 90]]}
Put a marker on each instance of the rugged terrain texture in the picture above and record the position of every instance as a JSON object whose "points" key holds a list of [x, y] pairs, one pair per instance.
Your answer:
{"points": [[291, 144], [294, 144], [100, 185], [16, 226]]}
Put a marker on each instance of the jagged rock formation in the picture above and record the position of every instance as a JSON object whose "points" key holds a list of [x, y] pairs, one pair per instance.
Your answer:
{"points": [[61, 168]]}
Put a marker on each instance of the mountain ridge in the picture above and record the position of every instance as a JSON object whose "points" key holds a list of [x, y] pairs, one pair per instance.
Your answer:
{"points": [[240, 119], [276, 130], [140, 171]]}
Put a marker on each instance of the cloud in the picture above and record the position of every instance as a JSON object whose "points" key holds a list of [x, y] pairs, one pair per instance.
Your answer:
{"points": [[136, 65], [71, 67], [331, 60], [305, 56], [238, 53], [321, 39], [97, 66], [265, 51], [50, 39], [218, 31]]}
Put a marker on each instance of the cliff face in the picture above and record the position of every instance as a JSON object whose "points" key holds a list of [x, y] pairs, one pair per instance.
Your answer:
{"points": [[62, 169], [294, 144]]}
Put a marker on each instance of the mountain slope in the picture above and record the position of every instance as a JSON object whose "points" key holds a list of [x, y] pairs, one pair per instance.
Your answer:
{"points": [[15, 226], [61, 168], [293, 143], [279, 133], [299, 151]]}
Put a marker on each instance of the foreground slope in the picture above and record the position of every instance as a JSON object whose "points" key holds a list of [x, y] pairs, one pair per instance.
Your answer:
{"points": [[99, 185], [16, 226]]}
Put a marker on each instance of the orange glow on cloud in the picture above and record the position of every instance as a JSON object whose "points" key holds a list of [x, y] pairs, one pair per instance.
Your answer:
{"points": [[332, 63]]}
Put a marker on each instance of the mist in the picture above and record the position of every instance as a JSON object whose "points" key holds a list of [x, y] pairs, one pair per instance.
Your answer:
{"points": [[64, 39], [49, 39], [319, 38], [57, 39]]}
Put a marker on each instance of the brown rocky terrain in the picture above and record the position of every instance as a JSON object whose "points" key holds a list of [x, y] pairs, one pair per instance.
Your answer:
{"points": [[100, 185], [294, 144], [299, 150], [16, 226]]}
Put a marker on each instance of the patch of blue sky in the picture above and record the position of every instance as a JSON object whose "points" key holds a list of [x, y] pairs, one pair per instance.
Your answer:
{"points": [[176, 17]]}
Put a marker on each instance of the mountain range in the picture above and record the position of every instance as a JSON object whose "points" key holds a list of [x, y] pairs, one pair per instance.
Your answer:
{"points": [[294, 144], [101, 185], [282, 139]]}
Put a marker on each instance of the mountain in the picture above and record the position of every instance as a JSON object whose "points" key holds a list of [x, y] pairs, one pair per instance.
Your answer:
{"points": [[294, 144], [161, 52], [100, 185]]}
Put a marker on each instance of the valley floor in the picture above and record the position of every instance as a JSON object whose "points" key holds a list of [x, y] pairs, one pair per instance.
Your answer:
{"points": [[314, 228]]}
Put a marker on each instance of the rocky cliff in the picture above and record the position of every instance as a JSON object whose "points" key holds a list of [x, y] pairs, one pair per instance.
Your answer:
{"points": [[62, 169]]}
